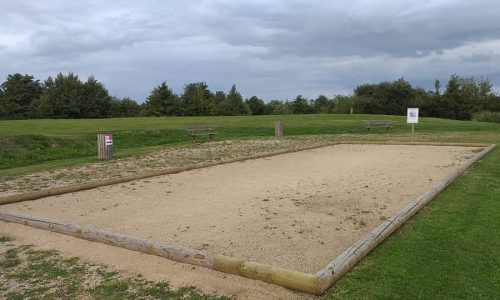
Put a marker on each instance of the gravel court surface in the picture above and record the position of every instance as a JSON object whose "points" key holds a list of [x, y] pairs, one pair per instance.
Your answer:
{"points": [[298, 210]]}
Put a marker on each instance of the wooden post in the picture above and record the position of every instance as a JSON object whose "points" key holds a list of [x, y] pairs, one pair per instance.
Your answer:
{"points": [[278, 128], [104, 145], [352, 110]]}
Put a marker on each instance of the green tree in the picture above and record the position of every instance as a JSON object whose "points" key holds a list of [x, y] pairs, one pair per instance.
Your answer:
{"points": [[300, 105], [437, 87], [17, 94], [162, 102], [277, 107], [391, 98], [342, 104], [197, 100], [256, 105], [124, 108], [323, 105], [62, 97], [233, 105], [96, 102]]}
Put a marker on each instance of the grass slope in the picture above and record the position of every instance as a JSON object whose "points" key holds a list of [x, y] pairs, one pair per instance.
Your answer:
{"points": [[30, 142]]}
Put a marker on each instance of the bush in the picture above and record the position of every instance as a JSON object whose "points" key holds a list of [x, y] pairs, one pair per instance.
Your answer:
{"points": [[486, 116]]}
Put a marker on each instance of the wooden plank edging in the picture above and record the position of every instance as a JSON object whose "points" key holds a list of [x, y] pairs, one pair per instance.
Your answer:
{"points": [[415, 143]]}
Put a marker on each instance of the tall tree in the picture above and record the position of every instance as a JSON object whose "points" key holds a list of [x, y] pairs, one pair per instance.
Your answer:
{"points": [[256, 105], [300, 105], [233, 105], [124, 108], [219, 99], [197, 100], [18, 92], [162, 102], [437, 87], [62, 97], [277, 107], [96, 102], [391, 98], [323, 105]]}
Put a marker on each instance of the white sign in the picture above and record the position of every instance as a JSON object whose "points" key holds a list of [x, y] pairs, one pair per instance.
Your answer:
{"points": [[412, 116], [108, 139]]}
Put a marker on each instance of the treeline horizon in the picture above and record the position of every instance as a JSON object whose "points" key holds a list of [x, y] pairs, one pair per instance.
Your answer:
{"points": [[67, 97]]}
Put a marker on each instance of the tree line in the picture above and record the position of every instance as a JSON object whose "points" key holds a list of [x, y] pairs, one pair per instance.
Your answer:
{"points": [[66, 96]]}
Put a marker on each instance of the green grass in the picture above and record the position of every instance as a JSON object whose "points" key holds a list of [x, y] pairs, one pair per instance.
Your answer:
{"points": [[26, 273], [32, 142]]}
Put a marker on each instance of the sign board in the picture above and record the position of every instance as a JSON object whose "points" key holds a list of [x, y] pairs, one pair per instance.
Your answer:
{"points": [[412, 116], [108, 139]]}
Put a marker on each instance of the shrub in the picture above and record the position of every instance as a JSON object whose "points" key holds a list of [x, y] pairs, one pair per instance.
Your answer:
{"points": [[486, 116]]}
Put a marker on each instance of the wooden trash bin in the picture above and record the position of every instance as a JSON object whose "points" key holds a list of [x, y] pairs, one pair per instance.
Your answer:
{"points": [[278, 128], [104, 145]]}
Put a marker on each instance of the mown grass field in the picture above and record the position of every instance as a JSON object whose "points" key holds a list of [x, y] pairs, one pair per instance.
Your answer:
{"points": [[450, 250], [66, 142]]}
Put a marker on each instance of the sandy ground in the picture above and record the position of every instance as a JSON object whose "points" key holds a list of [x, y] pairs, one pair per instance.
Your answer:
{"points": [[298, 211]]}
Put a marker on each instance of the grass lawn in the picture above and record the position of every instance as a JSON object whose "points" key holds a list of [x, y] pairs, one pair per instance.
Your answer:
{"points": [[32, 142], [450, 250]]}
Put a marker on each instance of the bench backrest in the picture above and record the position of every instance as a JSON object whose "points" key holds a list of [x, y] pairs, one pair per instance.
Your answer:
{"points": [[200, 128], [377, 123]]}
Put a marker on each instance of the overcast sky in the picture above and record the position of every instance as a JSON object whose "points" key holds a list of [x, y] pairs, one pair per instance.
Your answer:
{"points": [[272, 49]]}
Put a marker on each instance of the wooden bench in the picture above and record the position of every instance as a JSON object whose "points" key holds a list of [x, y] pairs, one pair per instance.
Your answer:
{"points": [[378, 123], [195, 130]]}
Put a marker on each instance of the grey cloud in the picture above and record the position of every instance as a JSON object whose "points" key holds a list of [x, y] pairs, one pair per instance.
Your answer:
{"points": [[274, 49]]}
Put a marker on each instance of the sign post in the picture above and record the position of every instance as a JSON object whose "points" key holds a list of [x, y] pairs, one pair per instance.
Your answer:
{"points": [[412, 118], [104, 145]]}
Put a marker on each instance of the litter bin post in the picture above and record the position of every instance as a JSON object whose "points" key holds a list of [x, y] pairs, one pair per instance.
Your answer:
{"points": [[278, 128], [104, 145]]}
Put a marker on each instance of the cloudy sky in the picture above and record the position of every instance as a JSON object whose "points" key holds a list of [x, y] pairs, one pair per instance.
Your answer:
{"points": [[272, 49]]}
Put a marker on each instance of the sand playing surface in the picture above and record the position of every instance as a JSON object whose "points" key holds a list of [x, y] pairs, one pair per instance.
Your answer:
{"points": [[297, 210]]}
